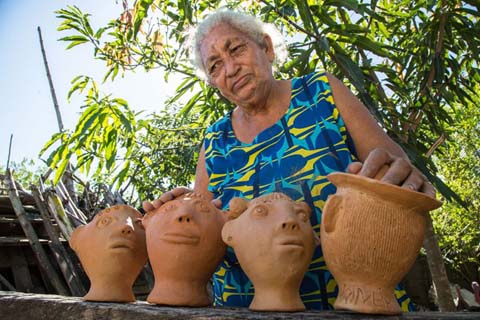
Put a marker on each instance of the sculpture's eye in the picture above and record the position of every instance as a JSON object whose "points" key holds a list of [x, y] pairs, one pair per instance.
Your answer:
{"points": [[139, 224], [202, 206], [104, 221], [169, 207], [302, 215], [260, 211]]}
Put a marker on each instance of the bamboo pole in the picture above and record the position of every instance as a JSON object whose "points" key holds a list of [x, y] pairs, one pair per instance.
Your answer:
{"points": [[37, 248], [58, 212], [67, 177], [437, 269], [63, 259], [77, 213]]}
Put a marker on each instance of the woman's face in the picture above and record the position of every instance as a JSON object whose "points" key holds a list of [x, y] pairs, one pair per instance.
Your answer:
{"points": [[237, 66]]}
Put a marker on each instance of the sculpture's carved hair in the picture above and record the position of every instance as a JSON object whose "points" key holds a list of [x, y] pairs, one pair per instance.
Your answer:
{"points": [[240, 205], [169, 206], [119, 207]]}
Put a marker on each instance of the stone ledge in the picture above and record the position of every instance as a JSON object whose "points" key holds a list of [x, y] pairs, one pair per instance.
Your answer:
{"points": [[19, 306]]}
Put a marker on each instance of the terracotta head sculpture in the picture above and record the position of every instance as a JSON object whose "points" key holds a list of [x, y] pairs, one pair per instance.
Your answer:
{"points": [[185, 247], [371, 234], [112, 251], [274, 243]]}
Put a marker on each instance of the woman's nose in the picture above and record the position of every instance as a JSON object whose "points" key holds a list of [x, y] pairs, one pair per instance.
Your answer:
{"points": [[231, 67]]}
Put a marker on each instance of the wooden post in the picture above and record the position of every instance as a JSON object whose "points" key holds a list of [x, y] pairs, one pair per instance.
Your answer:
{"points": [[66, 266], [437, 269], [37, 248]]}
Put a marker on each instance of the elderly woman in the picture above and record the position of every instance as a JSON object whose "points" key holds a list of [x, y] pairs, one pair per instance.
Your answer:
{"points": [[283, 136]]}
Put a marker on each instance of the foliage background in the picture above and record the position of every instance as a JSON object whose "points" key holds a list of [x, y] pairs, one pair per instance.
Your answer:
{"points": [[414, 64]]}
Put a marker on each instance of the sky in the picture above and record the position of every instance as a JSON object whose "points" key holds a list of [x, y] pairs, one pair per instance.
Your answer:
{"points": [[26, 107]]}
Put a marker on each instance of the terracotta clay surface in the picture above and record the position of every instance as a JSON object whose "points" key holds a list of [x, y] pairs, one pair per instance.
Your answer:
{"points": [[371, 234], [112, 251], [274, 242], [185, 247]]}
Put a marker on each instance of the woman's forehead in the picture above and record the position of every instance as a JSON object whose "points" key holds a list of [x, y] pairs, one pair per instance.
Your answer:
{"points": [[222, 35]]}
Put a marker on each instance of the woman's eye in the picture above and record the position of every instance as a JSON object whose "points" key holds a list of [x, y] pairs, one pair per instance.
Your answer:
{"points": [[260, 211], [214, 67], [236, 48]]}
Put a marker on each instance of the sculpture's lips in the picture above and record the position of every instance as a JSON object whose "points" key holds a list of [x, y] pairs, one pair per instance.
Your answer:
{"points": [[291, 243], [181, 238], [122, 244]]}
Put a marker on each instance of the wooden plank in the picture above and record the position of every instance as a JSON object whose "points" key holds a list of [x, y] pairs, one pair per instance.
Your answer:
{"points": [[21, 273], [37, 248], [16, 305], [18, 241], [68, 269]]}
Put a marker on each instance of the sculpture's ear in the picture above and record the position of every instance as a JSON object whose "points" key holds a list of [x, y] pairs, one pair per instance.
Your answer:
{"points": [[237, 207], [74, 238], [316, 239], [306, 208], [227, 231]]}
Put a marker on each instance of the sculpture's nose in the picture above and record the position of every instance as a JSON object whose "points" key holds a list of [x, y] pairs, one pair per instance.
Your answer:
{"points": [[290, 223], [127, 227], [184, 217]]}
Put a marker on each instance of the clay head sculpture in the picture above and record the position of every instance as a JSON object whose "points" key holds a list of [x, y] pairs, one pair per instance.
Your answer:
{"points": [[112, 250], [185, 246], [274, 243], [371, 233]]}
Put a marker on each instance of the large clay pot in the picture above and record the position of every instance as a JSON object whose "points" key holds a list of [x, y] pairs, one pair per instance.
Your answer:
{"points": [[274, 243], [184, 246], [112, 251], [371, 234]]}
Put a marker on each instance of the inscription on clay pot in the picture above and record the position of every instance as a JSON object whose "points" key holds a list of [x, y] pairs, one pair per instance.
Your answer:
{"points": [[355, 295]]}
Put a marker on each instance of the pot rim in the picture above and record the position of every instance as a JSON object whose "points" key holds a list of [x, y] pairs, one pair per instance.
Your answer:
{"points": [[387, 191]]}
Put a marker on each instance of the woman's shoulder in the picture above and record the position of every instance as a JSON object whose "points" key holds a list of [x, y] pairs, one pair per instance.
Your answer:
{"points": [[222, 124], [317, 77]]}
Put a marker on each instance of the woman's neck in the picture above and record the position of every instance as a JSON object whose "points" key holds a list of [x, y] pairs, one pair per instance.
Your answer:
{"points": [[249, 121]]}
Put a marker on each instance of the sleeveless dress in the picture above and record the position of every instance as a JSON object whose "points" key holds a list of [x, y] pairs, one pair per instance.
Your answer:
{"points": [[293, 156]]}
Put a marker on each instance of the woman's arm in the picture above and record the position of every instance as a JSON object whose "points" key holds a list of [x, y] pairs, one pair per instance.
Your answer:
{"points": [[375, 148]]}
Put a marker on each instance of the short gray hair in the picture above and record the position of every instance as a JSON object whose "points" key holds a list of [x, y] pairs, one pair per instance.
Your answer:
{"points": [[251, 26]]}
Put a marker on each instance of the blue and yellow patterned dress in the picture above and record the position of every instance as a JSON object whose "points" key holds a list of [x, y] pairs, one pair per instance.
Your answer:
{"points": [[293, 156]]}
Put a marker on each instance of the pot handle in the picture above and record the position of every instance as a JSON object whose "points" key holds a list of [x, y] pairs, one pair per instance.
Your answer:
{"points": [[330, 212]]}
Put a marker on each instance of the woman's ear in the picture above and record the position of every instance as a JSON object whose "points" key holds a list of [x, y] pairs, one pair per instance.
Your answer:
{"points": [[269, 48]]}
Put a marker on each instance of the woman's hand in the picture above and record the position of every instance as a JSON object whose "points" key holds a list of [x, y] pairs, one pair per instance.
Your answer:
{"points": [[397, 170], [167, 196]]}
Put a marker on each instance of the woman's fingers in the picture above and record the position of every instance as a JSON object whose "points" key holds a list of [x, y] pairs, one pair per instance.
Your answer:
{"points": [[354, 167], [414, 181], [167, 196], [399, 170], [380, 164], [375, 160], [147, 206]]}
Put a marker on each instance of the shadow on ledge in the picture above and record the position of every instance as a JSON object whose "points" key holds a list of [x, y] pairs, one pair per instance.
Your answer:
{"points": [[19, 306]]}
